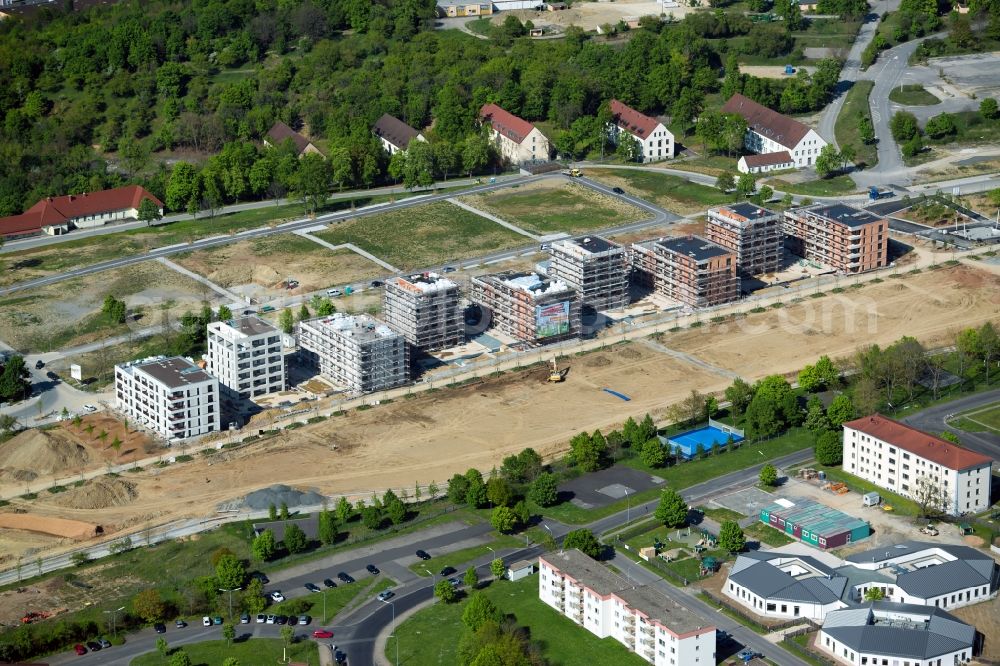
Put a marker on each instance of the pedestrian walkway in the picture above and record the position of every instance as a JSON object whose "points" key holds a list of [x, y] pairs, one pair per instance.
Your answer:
{"points": [[346, 246], [203, 280], [687, 358], [494, 218]]}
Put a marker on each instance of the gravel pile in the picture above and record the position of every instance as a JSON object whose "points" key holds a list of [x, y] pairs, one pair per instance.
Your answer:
{"points": [[260, 500]]}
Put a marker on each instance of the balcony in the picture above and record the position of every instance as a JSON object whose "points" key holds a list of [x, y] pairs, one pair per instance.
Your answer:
{"points": [[648, 630], [648, 642]]}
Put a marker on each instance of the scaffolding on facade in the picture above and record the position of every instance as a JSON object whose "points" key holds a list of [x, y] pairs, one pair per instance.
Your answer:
{"points": [[527, 306], [754, 233], [425, 309], [596, 268]]}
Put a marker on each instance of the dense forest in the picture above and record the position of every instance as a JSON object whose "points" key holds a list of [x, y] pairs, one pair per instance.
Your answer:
{"points": [[113, 94]]}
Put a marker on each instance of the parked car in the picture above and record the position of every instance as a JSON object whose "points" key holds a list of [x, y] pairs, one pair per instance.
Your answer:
{"points": [[312, 587], [180, 624], [385, 595], [103, 642], [334, 292], [89, 408], [264, 580], [267, 308], [79, 649], [160, 628], [39, 364], [245, 618], [217, 620], [270, 619], [261, 618], [372, 569], [280, 619], [329, 583], [322, 633], [53, 376], [304, 620], [448, 269], [93, 646], [339, 657], [617, 190], [455, 583], [447, 571], [277, 596], [206, 621], [345, 577], [422, 554]]}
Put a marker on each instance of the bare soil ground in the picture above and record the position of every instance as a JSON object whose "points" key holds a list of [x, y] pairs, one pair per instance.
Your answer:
{"points": [[269, 261], [590, 15], [985, 617], [68, 313], [687, 227], [771, 71]]}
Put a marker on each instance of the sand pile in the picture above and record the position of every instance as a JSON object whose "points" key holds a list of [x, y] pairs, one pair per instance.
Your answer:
{"points": [[61, 527], [280, 493], [36, 452], [99, 494]]}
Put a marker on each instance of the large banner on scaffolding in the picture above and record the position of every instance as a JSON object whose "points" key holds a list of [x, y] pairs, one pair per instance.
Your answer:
{"points": [[552, 319]]}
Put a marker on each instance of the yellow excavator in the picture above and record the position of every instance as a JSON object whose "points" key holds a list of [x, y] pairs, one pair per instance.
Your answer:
{"points": [[556, 375]]}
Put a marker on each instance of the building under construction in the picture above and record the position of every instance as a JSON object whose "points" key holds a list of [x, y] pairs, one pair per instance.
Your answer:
{"points": [[596, 268], [845, 238], [689, 269], [356, 352], [754, 233], [425, 309], [527, 306]]}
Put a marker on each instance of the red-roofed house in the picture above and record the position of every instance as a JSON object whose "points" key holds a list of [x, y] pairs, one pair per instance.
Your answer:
{"points": [[656, 140], [771, 132], [907, 461], [517, 140], [57, 215], [280, 132]]}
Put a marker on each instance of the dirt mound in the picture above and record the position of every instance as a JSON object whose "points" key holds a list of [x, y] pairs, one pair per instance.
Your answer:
{"points": [[597, 361], [99, 494], [37, 452], [61, 527]]}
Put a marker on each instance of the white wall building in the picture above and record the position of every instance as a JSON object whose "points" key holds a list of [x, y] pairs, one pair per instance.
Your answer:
{"points": [[171, 396], [771, 132], [785, 586], [905, 460], [656, 140], [645, 621], [356, 352], [245, 355], [394, 134], [517, 140]]}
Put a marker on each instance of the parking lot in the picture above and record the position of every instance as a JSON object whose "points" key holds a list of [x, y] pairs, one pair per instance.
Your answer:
{"points": [[606, 486]]}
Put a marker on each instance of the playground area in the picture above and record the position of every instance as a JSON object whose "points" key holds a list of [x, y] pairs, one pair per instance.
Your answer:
{"points": [[689, 552]]}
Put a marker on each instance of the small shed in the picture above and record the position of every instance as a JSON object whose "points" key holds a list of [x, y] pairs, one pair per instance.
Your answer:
{"points": [[519, 570], [871, 499]]}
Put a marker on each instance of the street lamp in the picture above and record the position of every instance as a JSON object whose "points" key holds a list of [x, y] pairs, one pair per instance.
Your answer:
{"points": [[114, 616], [235, 589], [394, 636], [628, 507], [430, 573], [553, 536]]}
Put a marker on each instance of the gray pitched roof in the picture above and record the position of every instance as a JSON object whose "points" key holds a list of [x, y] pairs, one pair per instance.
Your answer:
{"points": [[934, 581], [767, 581], [931, 633], [908, 547]]}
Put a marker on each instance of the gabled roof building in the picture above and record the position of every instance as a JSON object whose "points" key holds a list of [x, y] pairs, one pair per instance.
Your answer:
{"points": [[280, 132], [58, 215], [771, 132], [394, 134], [656, 141], [517, 140]]}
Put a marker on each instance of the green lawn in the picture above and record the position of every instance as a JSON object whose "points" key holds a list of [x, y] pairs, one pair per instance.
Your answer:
{"points": [[431, 636], [424, 235], [719, 514], [712, 165], [481, 26], [555, 206], [336, 599], [846, 127], [453, 559], [900, 505], [825, 187], [253, 651], [767, 535], [972, 129], [913, 95], [670, 192], [688, 564], [981, 419]]}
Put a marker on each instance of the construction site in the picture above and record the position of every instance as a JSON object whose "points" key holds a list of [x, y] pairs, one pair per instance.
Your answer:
{"points": [[356, 352], [755, 234], [425, 309], [691, 270], [596, 268], [528, 307], [842, 237]]}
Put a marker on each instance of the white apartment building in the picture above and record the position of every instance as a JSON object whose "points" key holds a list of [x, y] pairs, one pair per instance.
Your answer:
{"points": [[517, 140], [171, 396], [897, 457], [656, 140], [659, 630], [771, 132], [245, 355], [357, 352]]}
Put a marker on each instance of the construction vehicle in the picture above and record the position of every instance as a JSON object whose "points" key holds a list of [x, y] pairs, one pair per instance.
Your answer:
{"points": [[556, 375], [876, 193], [575, 173], [929, 530]]}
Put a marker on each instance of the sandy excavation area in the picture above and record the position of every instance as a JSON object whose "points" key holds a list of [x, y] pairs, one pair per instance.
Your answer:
{"points": [[590, 15]]}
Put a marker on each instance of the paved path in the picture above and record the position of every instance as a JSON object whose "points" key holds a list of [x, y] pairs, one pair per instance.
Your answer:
{"points": [[233, 298], [687, 358], [347, 246], [489, 216]]}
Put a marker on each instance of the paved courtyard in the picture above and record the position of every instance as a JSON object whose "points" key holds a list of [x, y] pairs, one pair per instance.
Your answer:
{"points": [[608, 485]]}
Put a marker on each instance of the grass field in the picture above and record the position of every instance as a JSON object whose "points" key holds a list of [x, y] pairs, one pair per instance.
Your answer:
{"points": [[972, 129], [713, 165], [900, 505], [720, 514], [670, 192], [253, 651], [767, 535], [431, 636], [981, 419], [846, 127], [913, 95], [555, 206], [826, 187], [424, 236], [336, 599]]}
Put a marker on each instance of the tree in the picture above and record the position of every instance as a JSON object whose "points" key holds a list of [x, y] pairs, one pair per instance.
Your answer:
{"points": [[497, 568], [283, 511], [162, 647], [371, 517], [313, 180], [586, 453], [988, 109], [418, 169], [253, 598], [479, 610], [765, 193], [230, 572], [903, 126], [874, 594], [584, 541], [272, 512], [114, 310], [396, 511], [544, 490], [725, 182], [731, 537], [458, 488], [499, 492], [264, 546], [762, 418], [828, 160], [914, 145], [739, 394], [287, 635], [471, 578], [475, 153], [326, 529], [15, 381], [224, 314], [829, 448], [653, 453], [180, 658], [149, 212], [629, 149], [344, 510], [475, 494], [941, 126], [768, 476], [747, 184], [444, 591], [229, 633], [949, 436], [503, 520], [303, 312], [865, 129], [929, 496], [286, 321], [672, 510], [989, 346], [149, 605], [847, 156], [816, 418]]}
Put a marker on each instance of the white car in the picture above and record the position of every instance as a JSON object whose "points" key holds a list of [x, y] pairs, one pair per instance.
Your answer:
{"points": [[277, 596], [206, 621], [89, 408], [270, 619], [261, 618]]}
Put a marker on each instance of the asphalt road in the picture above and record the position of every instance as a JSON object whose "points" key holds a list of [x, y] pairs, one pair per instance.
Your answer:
{"points": [[934, 420]]}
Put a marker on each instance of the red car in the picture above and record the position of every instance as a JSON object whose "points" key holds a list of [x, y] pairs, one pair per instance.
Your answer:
{"points": [[79, 649], [322, 633]]}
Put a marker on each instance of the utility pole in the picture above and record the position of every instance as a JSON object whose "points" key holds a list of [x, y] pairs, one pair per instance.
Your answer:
{"points": [[114, 618], [235, 589]]}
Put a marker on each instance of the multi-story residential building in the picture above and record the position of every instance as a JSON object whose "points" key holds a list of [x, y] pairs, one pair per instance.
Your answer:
{"points": [[845, 238], [596, 268], [527, 306], [756, 234], [659, 630], [394, 134], [425, 309], [655, 140], [689, 269], [517, 140], [885, 633], [171, 396], [245, 355], [916, 464], [356, 352], [771, 132]]}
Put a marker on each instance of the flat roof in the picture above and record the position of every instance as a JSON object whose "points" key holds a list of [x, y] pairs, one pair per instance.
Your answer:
{"points": [[360, 326], [742, 212], [425, 282], [594, 244], [531, 282], [839, 213], [815, 517], [173, 372], [250, 325], [586, 571], [695, 247]]}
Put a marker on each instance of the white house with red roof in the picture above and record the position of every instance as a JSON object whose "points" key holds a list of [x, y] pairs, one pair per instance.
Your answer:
{"points": [[57, 215], [656, 140], [771, 132], [765, 162], [517, 140], [900, 458]]}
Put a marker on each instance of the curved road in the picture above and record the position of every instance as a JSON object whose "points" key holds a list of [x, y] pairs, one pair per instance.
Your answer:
{"points": [[935, 420]]}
